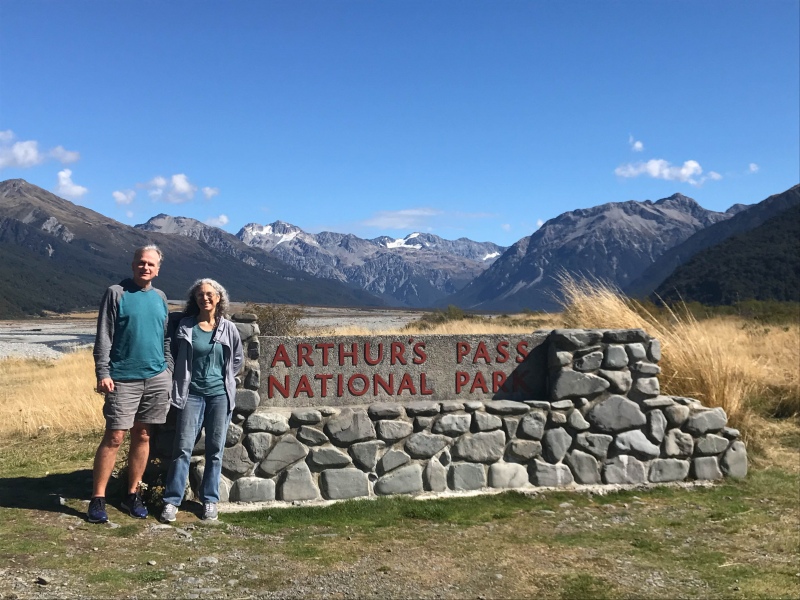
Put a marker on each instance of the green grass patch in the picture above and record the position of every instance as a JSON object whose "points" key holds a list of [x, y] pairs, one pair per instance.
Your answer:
{"points": [[583, 586]]}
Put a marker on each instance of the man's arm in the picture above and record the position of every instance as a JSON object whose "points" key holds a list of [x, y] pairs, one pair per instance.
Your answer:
{"points": [[104, 338]]}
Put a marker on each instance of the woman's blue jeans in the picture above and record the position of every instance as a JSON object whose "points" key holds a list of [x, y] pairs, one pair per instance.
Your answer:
{"points": [[212, 413]]}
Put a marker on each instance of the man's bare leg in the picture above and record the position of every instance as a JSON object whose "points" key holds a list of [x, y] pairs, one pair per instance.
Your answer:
{"points": [[138, 455], [104, 460]]}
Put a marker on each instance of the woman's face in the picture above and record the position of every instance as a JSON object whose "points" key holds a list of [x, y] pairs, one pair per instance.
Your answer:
{"points": [[207, 298]]}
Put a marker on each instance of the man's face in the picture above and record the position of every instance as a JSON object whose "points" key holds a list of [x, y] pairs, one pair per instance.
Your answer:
{"points": [[145, 269]]}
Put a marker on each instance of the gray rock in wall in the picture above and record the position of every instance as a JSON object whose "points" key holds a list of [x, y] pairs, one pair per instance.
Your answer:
{"points": [[571, 384], [253, 378], [258, 445], [676, 414], [555, 444], [656, 425], [435, 476], [646, 368], [350, 426], [734, 461], [658, 402], [422, 409], [668, 469], [405, 480], [340, 484], [589, 362], [557, 418], [449, 406], [595, 444], [234, 434], [510, 426], [706, 468], [365, 454], [452, 424], [391, 460], [297, 483], [425, 445], [484, 447], [615, 357], [385, 410], [524, 449], [678, 444], [393, 431], [584, 467], [654, 350], [636, 443], [556, 359], [624, 469], [467, 476], [422, 423], [577, 421], [545, 474], [621, 381], [305, 416], [236, 462], [707, 420], [287, 451], [274, 423], [636, 352], [644, 387], [506, 407], [616, 413], [328, 457], [508, 475], [247, 401], [574, 339], [625, 336], [252, 489], [311, 436], [710, 445], [486, 422], [532, 425]]}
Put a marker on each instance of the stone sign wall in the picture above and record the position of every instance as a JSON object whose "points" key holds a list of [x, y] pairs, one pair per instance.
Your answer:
{"points": [[334, 418]]}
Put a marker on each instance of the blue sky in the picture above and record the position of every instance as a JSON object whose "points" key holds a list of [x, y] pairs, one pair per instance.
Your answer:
{"points": [[475, 118]]}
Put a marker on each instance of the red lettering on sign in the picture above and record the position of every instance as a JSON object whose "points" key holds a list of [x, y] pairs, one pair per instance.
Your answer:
{"points": [[481, 352], [461, 380], [498, 379], [323, 383], [364, 384], [339, 385], [387, 386], [273, 384], [368, 354], [281, 356], [304, 355], [502, 352], [462, 349], [517, 382], [398, 353], [353, 354], [423, 388], [406, 384], [325, 347], [304, 386], [522, 351], [419, 351], [479, 382]]}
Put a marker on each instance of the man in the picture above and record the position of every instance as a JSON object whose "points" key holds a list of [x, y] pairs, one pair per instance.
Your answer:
{"points": [[134, 370]]}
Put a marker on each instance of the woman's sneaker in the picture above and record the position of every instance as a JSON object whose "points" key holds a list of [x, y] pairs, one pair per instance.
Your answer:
{"points": [[97, 510], [134, 505], [169, 514], [209, 511]]}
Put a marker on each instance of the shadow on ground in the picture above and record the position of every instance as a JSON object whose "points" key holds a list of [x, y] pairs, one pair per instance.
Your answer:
{"points": [[46, 493]]}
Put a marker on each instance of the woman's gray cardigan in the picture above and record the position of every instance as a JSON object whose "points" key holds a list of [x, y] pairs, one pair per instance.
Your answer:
{"points": [[233, 357]]}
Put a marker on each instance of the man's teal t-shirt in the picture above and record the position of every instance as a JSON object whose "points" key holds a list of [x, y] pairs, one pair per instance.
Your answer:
{"points": [[207, 359], [138, 348]]}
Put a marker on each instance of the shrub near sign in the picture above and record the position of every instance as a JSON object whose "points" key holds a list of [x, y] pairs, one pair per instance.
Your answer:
{"points": [[339, 370]]}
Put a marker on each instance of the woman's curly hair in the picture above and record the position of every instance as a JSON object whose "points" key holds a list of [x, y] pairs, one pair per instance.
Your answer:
{"points": [[192, 307]]}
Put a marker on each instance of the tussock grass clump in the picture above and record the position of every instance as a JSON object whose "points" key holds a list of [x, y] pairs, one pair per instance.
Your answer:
{"points": [[49, 396], [721, 361], [277, 319]]}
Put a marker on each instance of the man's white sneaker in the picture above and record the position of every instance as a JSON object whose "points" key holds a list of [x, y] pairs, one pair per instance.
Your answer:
{"points": [[169, 514], [209, 511]]}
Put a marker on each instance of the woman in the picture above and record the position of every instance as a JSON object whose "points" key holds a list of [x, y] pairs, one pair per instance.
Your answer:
{"points": [[208, 353]]}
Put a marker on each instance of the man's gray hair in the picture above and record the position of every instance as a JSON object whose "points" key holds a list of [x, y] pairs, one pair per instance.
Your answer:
{"points": [[192, 307], [137, 254]]}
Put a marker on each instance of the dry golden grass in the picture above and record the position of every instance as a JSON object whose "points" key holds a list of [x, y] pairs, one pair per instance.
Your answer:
{"points": [[54, 396], [518, 324], [721, 361]]}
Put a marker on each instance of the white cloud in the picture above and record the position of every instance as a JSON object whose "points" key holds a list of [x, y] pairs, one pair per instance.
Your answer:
{"points": [[65, 156], [175, 190], [753, 168], [409, 218], [689, 172], [21, 155], [505, 227], [123, 196], [67, 188], [129, 214], [210, 192], [219, 221], [539, 223], [6, 136], [636, 145]]}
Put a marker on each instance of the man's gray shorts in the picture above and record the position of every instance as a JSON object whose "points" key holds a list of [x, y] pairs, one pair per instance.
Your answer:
{"points": [[140, 401]]}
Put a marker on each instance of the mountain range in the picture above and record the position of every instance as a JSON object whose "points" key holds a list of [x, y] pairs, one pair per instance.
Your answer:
{"points": [[60, 256]]}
